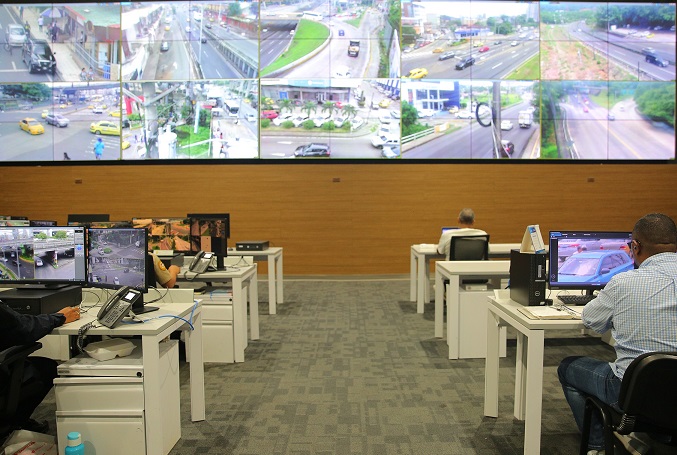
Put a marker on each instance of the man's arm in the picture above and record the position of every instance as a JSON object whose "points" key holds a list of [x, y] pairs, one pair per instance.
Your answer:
{"points": [[598, 313], [17, 329], [444, 239]]}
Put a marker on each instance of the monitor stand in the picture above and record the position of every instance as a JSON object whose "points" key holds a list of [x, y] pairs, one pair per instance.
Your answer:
{"points": [[40, 287], [140, 308]]}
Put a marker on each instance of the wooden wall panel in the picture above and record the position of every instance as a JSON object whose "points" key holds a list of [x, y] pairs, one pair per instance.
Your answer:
{"points": [[351, 218]]}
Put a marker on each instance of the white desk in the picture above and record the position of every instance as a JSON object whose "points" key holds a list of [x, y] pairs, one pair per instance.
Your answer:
{"points": [[177, 302], [419, 273], [454, 271], [275, 277], [529, 364], [242, 278]]}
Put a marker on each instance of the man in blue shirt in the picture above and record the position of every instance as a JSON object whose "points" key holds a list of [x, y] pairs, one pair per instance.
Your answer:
{"points": [[640, 309]]}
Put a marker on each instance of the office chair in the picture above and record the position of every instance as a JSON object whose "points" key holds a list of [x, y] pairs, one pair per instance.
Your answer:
{"points": [[469, 248], [648, 397], [11, 375]]}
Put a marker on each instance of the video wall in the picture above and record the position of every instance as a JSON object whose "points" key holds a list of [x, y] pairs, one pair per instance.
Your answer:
{"points": [[339, 80]]}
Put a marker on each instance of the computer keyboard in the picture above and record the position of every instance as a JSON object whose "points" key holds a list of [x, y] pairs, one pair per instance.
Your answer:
{"points": [[575, 299]]}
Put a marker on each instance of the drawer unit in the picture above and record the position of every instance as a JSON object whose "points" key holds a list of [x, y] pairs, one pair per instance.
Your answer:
{"points": [[104, 401]]}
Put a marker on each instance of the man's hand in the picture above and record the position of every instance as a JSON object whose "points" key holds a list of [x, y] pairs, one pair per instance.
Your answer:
{"points": [[72, 313]]}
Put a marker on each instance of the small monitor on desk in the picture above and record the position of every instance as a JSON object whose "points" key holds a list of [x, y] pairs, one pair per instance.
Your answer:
{"points": [[118, 257], [586, 260], [42, 257]]}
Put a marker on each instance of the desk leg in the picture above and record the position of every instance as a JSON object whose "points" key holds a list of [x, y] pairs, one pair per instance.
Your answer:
{"points": [[439, 305], [520, 375], [239, 322], [253, 308], [197, 371], [426, 288], [279, 278], [413, 262], [453, 317], [272, 287], [151, 394], [534, 393], [421, 283], [491, 365]]}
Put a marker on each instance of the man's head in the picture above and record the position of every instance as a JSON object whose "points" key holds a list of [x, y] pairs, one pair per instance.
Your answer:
{"points": [[653, 234], [466, 217]]}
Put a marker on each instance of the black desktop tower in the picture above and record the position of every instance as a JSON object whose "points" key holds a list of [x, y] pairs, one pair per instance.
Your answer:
{"points": [[528, 275], [41, 301]]}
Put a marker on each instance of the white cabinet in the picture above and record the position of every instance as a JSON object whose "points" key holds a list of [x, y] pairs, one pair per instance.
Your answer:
{"points": [[104, 401]]}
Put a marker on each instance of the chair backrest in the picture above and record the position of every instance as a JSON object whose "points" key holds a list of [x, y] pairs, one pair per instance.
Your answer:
{"points": [[11, 374], [469, 248], [649, 390]]}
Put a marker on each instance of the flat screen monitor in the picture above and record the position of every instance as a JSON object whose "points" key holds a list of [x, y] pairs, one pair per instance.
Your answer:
{"points": [[586, 260], [223, 216], [111, 224], [117, 257], [87, 217], [210, 234], [43, 223], [43, 256], [15, 222], [166, 233]]}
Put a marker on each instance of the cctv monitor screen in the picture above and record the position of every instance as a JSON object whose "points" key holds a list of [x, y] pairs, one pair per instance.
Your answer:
{"points": [[117, 257], [43, 223], [389, 81], [166, 233], [586, 260], [43, 256]]}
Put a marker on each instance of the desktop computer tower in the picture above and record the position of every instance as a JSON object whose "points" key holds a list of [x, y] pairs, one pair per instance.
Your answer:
{"points": [[41, 301], [528, 275]]}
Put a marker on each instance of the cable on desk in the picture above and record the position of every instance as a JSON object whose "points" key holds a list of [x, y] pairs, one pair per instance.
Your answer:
{"points": [[162, 296]]}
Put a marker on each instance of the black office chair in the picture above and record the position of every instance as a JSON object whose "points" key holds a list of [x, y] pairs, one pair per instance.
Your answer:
{"points": [[648, 398], [469, 248], [11, 375]]}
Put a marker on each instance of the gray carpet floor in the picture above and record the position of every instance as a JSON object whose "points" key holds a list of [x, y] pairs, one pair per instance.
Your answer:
{"points": [[349, 367]]}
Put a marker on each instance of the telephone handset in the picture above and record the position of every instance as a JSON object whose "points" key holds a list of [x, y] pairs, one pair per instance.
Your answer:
{"points": [[201, 262], [118, 306]]}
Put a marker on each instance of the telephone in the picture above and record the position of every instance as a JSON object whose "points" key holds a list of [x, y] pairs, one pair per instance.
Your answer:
{"points": [[118, 306], [201, 262]]}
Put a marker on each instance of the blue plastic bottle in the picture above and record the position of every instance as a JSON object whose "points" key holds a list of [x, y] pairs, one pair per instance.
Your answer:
{"points": [[75, 445]]}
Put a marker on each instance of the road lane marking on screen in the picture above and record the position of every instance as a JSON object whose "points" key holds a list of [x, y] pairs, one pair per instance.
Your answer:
{"points": [[494, 67]]}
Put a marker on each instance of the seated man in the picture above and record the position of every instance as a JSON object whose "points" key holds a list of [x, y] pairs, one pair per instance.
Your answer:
{"points": [[165, 276], [17, 329], [466, 220], [640, 308]]}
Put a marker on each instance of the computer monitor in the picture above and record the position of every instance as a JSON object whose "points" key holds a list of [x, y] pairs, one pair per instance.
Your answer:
{"points": [[210, 234], [110, 224], [586, 260], [118, 257], [43, 223], [166, 233], [37, 257], [14, 222], [222, 216], [87, 217]]}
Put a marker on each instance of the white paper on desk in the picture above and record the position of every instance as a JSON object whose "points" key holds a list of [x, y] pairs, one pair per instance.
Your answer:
{"points": [[545, 312]]}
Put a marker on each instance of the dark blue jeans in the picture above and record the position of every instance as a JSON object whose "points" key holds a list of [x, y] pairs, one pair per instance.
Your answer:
{"points": [[584, 376]]}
